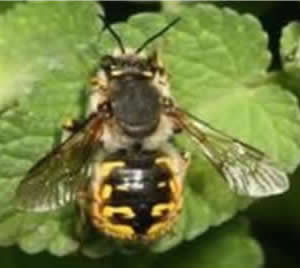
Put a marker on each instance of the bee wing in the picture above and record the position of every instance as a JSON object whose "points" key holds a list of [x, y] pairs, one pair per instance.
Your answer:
{"points": [[247, 170], [55, 179]]}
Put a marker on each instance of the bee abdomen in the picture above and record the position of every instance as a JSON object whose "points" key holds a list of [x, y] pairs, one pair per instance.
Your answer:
{"points": [[140, 203]]}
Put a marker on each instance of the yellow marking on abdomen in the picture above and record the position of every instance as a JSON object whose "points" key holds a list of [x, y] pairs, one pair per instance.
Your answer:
{"points": [[106, 191], [158, 210], [127, 212], [120, 231], [106, 168]]}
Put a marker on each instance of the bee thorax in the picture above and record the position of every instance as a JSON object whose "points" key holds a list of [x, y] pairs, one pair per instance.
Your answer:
{"points": [[136, 106]]}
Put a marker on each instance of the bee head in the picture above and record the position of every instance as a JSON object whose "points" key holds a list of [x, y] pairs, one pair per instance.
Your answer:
{"points": [[131, 64]]}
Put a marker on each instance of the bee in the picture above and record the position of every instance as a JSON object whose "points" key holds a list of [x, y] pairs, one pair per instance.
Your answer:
{"points": [[137, 195]]}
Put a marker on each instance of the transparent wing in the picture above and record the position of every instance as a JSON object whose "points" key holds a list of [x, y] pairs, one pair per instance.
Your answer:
{"points": [[247, 170], [55, 179]]}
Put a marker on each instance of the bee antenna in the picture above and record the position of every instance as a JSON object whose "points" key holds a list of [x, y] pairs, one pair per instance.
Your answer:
{"points": [[113, 33], [161, 32]]}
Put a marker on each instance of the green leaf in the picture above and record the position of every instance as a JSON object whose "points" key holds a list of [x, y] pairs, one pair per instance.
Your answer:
{"points": [[290, 53], [227, 246], [215, 72], [37, 39], [6, 5], [290, 44]]}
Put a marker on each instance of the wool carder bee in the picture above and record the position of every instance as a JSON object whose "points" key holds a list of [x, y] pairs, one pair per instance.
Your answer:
{"points": [[137, 196]]}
